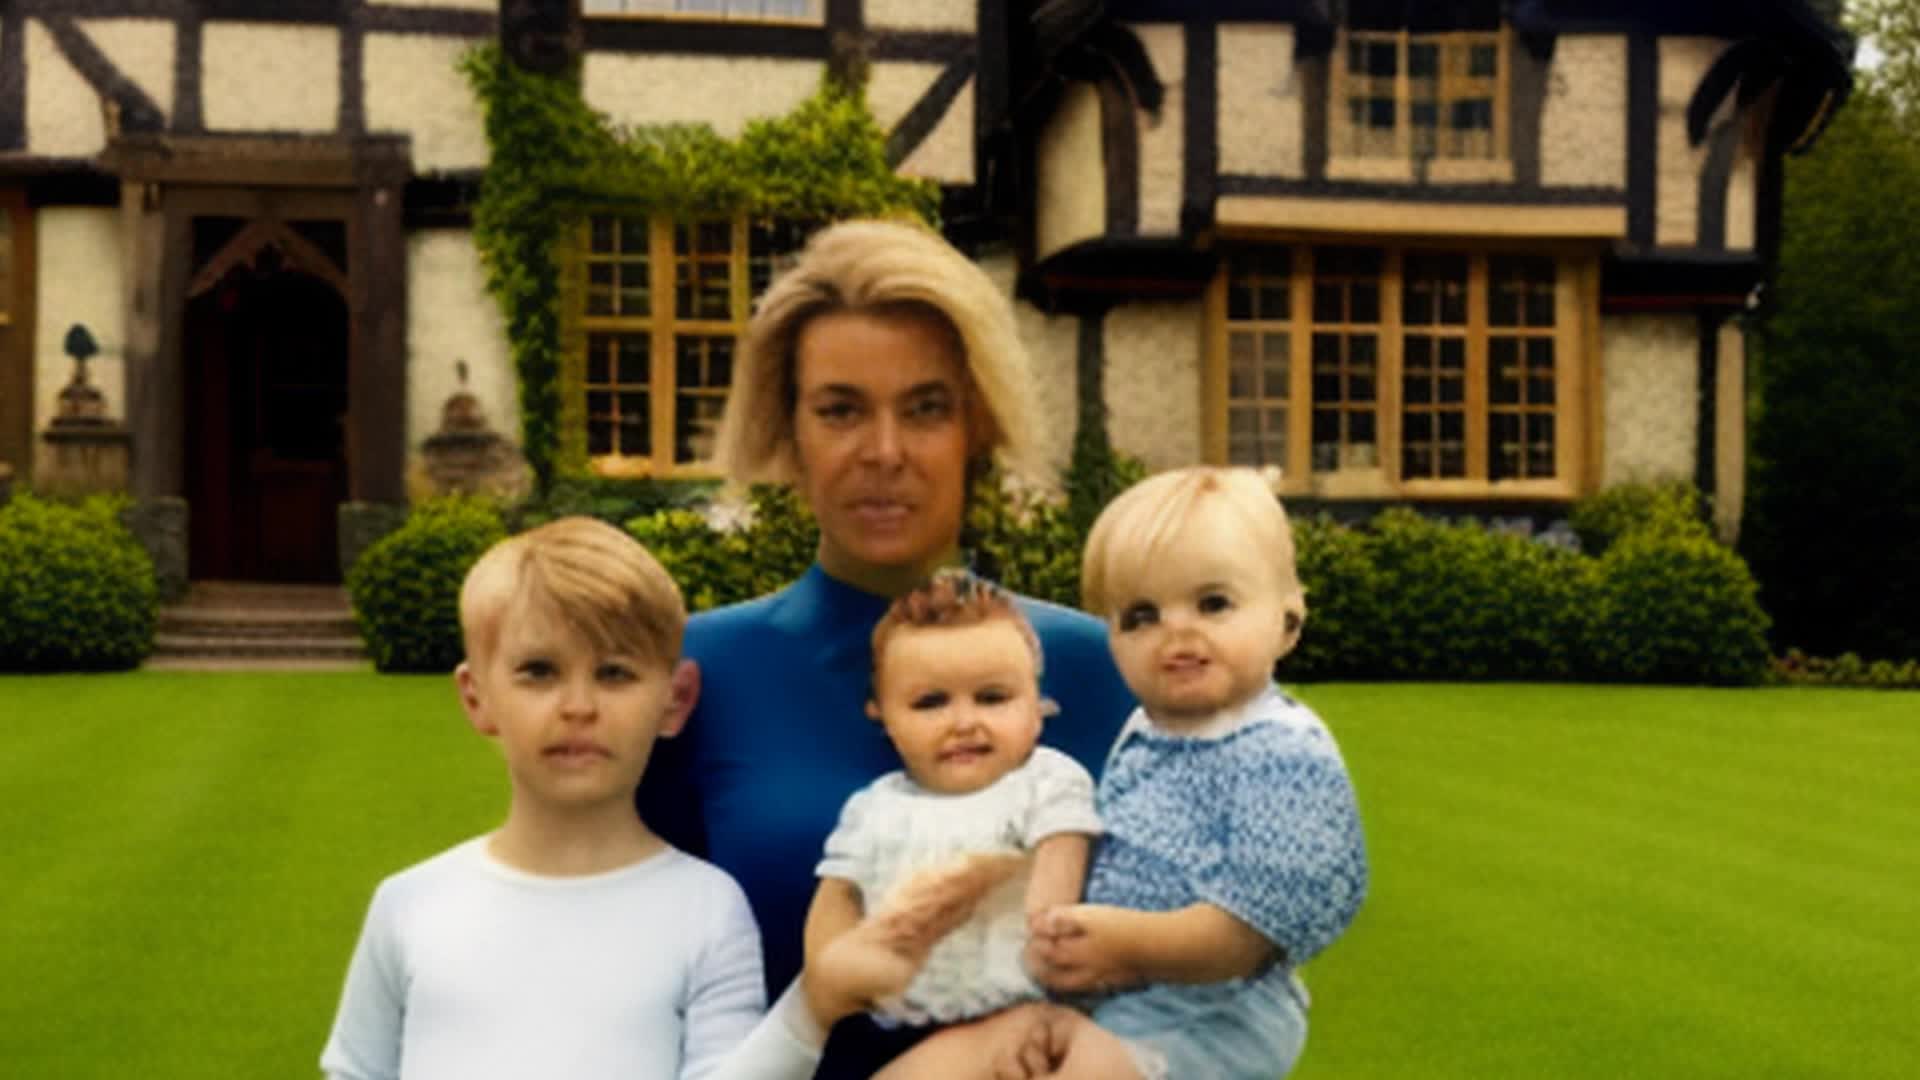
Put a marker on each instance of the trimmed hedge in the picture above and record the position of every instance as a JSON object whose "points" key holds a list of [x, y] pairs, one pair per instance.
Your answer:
{"points": [[1404, 597], [1677, 609], [406, 588], [774, 543], [77, 591], [1664, 508]]}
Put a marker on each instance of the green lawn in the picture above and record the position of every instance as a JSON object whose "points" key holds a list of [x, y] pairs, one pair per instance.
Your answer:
{"points": [[1568, 881]]}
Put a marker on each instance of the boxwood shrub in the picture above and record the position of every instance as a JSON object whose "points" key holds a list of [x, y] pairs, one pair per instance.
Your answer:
{"points": [[771, 543], [1666, 508], [406, 587], [1408, 597], [1403, 597], [1677, 609], [77, 591]]}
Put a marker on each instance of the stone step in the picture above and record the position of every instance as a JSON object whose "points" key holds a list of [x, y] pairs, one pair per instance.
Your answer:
{"points": [[240, 622], [241, 645], [253, 663]]}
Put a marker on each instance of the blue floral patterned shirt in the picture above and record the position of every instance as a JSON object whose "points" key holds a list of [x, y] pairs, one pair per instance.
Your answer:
{"points": [[1251, 812]]}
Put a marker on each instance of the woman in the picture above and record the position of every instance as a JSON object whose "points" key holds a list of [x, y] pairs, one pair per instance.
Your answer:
{"points": [[877, 376]]}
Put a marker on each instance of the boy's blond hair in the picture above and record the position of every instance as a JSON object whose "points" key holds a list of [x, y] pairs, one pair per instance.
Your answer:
{"points": [[952, 597], [597, 579], [882, 268], [1141, 526]]}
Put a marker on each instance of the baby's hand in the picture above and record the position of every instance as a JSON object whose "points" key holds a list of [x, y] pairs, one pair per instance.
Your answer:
{"points": [[880, 955], [1075, 948]]}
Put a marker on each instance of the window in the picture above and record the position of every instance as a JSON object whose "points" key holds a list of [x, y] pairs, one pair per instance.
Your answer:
{"points": [[1419, 92], [749, 10], [662, 307], [1428, 371]]}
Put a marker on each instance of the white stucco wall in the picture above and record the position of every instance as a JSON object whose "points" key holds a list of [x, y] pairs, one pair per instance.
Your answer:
{"points": [[1259, 122], [78, 280], [724, 92], [1051, 342], [1652, 365], [946, 154], [142, 50], [414, 87], [1152, 380], [920, 14], [63, 113], [1072, 196], [269, 77], [1742, 187], [1583, 124], [1677, 177], [451, 318], [1163, 138]]}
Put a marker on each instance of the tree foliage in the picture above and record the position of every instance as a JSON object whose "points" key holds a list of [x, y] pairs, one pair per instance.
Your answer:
{"points": [[1835, 502], [1893, 26]]}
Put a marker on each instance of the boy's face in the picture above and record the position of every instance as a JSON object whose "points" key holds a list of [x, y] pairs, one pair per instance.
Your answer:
{"points": [[575, 724], [961, 704], [1201, 632]]}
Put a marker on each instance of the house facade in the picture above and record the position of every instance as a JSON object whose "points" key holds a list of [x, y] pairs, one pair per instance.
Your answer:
{"points": [[1486, 255]]}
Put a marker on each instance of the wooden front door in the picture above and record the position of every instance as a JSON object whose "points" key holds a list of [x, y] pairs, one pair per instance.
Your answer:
{"points": [[267, 358]]}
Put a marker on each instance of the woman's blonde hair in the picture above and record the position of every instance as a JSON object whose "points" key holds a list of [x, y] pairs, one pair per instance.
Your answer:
{"points": [[595, 578], [1142, 525], [888, 268]]}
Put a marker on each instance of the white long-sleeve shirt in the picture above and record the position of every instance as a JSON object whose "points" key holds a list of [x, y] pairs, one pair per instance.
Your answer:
{"points": [[468, 969]]}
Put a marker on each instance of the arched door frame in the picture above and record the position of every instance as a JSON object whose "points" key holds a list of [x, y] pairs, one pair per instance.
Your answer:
{"points": [[167, 182]]}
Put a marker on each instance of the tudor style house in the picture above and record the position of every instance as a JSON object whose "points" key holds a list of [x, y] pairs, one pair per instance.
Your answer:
{"points": [[1487, 255]]}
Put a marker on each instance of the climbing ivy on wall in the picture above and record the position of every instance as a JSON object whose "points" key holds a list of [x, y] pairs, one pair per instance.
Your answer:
{"points": [[553, 160]]}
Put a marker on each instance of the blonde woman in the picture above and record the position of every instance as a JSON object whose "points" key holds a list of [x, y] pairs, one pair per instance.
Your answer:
{"points": [[878, 374]]}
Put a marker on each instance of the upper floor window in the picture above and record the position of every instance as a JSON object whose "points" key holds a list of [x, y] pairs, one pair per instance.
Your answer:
{"points": [[661, 308], [749, 10], [1370, 371], [1420, 90]]}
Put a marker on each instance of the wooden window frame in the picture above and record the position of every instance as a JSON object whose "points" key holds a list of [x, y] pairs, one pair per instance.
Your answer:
{"points": [[1576, 376], [669, 10], [663, 327], [1345, 163]]}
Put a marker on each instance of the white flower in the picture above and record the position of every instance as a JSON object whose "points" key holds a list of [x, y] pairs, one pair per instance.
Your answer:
{"points": [[727, 513]]}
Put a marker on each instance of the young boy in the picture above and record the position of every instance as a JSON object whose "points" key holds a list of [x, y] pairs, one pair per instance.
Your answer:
{"points": [[1233, 851], [572, 942]]}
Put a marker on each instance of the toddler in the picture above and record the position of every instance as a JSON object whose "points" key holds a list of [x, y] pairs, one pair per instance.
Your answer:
{"points": [[955, 685], [1232, 851]]}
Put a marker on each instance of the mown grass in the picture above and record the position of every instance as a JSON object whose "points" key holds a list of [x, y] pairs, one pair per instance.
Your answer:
{"points": [[1621, 881], [1568, 881]]}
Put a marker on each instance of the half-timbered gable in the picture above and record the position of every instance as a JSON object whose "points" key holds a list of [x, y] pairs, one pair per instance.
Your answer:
{"points": [[1483, 252]]}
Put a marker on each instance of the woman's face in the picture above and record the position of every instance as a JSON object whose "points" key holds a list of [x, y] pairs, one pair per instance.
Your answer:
{"points": [[882, 434]]}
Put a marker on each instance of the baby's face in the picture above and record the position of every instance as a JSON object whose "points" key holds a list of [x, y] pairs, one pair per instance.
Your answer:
{"points": [[961, 704], [1201, 633]]}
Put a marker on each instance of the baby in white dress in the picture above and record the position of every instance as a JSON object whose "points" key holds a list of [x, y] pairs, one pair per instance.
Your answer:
{"points": [[956, 684]]}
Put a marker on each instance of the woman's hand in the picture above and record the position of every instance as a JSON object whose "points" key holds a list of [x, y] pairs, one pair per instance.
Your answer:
{"points": [[1078, 948], [882, 953]]}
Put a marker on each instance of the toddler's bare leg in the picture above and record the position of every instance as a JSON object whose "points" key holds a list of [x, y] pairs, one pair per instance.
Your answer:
{"points": [[1092, 1053], [1026, 1042]]}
